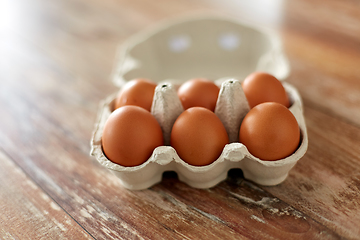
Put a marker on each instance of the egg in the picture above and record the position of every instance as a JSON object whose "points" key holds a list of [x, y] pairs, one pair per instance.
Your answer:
{"points": [[260, 87], [199, 92], [137, 92], [198, 136], [130, 135], [270, 131]]}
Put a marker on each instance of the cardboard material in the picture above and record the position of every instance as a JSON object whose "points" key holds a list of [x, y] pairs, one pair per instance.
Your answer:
{"points": [[212, 47]]}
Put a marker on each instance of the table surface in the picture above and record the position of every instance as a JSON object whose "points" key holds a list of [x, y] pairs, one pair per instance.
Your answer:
{"points": [[56, 61]]}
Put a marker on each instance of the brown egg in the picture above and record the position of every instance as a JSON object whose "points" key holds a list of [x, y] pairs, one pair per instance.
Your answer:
{"points": [[130, 135], [270, 131], [198, 136], [260, 87], [199, 92], [137, 92]]}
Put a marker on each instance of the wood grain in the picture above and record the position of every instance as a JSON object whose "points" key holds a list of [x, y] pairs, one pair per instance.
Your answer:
{"points": [[97, 202], [56, 58], [325, 55], [325, 183], [27, 212]]}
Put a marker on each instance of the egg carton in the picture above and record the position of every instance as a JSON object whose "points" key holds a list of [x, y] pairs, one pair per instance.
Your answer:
{"points": [[212, 47]]}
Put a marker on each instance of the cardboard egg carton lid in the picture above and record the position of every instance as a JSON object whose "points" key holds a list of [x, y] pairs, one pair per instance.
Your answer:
{"points": [[202, 45]]}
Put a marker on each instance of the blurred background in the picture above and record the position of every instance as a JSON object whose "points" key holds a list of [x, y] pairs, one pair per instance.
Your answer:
{"points": [[56, 62], [82, 36]]}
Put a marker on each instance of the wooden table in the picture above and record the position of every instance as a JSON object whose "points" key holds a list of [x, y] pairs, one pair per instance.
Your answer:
{"points": [[56, 61]]}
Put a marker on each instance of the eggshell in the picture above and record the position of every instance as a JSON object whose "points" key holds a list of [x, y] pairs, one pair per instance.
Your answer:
{"points": [[130, 136], [260, 87], [270, 131], [137, 92], [199, 92], [198, 136]]}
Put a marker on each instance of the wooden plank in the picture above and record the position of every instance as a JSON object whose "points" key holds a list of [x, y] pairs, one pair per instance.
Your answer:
{"points": [[332, 85], [325, 183], [55, 71], [247, 209], [54, 151], [316, 19], [27, 212], [324, 55], [57, 159], [101, 205]]}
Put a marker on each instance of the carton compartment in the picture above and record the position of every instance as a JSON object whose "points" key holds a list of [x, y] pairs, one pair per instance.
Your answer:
{"points": [[231, 108]]}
